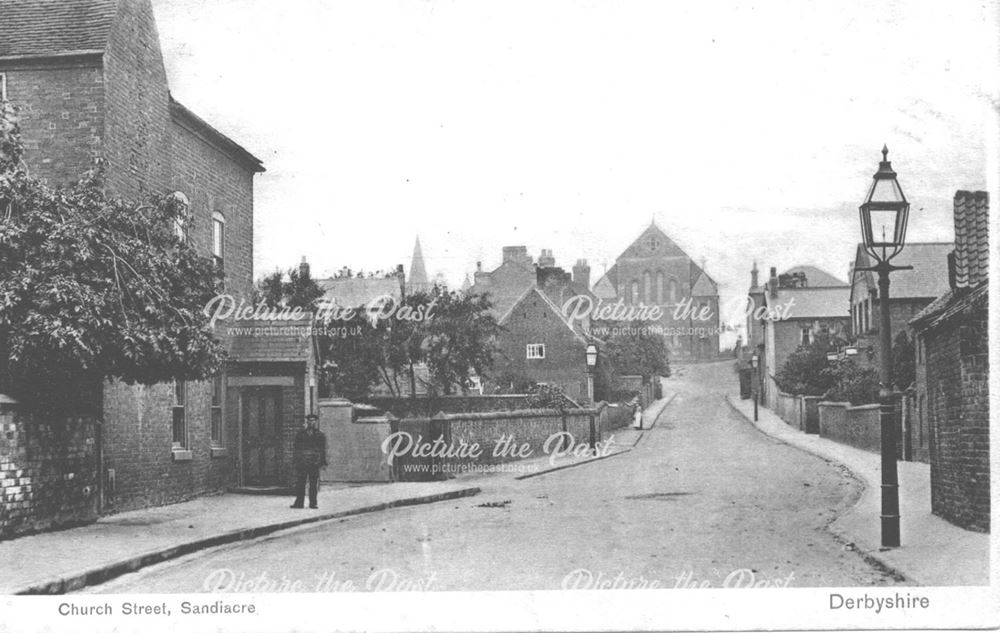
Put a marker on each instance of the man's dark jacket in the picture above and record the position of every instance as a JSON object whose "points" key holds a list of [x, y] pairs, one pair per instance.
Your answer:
{"points": [[310, 449]]}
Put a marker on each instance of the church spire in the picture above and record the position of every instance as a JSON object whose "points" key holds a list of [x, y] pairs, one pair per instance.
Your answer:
{"points": [[418, 272]]}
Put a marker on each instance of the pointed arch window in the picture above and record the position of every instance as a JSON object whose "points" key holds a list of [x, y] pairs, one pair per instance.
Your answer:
{"points": [[634, 295], [673, 291], [647, 286]]}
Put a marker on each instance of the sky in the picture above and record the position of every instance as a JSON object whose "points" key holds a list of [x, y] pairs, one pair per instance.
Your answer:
{"points": [[747, 131]]}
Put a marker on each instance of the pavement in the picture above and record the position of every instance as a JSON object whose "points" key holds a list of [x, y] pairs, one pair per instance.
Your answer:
{"points": [[71, 559], [933, 552], [67, 560]]}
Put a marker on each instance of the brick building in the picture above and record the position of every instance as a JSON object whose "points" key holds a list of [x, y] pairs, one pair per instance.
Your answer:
{"points": [[910, 291], [953, 351], [796, 313], [89, 80], [540, 344], [506, 283], [654, 270], [538, 341]]}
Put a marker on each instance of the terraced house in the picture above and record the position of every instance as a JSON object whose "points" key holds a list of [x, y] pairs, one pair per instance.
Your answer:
{"points": [[89, 81]]}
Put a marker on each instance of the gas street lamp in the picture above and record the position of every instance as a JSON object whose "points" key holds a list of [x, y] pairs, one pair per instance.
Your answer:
{"points": [[884, 215], [591, 355]]}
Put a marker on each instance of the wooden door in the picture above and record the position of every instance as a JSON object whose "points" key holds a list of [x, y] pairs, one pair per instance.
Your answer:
{"points": [[262, 426]]}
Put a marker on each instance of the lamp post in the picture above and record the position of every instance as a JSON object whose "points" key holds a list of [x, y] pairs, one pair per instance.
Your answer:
{"points": [[755, 362], [591, 366], [884, 215]]}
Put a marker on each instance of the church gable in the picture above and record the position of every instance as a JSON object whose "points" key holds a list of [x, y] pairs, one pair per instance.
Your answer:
{"points": [[704, 287], [653, 243]]}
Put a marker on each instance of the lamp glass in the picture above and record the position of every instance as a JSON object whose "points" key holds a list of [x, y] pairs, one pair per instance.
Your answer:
{"points": [[884, 225], [886, 190], [754, 361], [591, 355]]}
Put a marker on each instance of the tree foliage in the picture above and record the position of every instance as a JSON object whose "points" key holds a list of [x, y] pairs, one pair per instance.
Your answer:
{"points": [[294, 288], [95, 287], [461, 336], [636, 351], [452, 335], [808, 372]]}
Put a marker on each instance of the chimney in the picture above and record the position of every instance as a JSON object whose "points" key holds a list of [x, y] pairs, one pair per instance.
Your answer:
{"points": [[773, 282], [581, 273], [753, 275], [402, 280], [479, 267], [516, 255], [546, 259], [304, 268]]}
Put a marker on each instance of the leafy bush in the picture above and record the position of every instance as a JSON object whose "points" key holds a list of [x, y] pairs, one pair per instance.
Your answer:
{"points": [[853, 383], [805, 371], [545, 396]]}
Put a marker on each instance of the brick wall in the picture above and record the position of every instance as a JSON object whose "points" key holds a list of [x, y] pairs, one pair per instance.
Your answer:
{"points": [[147, 151], [958, 412], [859, 427], [533, 427], [137, 133], [62, 115], [565, 354], [48, 472], [613, 417], [404, 406], [213, 183], [138, 439], [786, 406]]}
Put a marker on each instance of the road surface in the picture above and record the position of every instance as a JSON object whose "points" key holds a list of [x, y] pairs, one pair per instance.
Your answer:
{"points": [[703, 500]]}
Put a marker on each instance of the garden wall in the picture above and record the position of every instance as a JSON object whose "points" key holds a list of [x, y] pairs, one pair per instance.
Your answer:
{"points": [[855, 426], [48, 471], [534, 429], [801, 412]]}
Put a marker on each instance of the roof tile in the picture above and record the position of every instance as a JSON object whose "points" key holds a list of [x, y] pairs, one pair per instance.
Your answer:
{"points": [[43, 28]]}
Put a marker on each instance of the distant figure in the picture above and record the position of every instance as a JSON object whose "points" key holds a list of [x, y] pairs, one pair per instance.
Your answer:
{"points": [[637, 416], [308, 457]]}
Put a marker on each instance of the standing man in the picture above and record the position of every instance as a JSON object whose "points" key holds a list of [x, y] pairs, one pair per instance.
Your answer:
{"points": [[309, 456]]}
